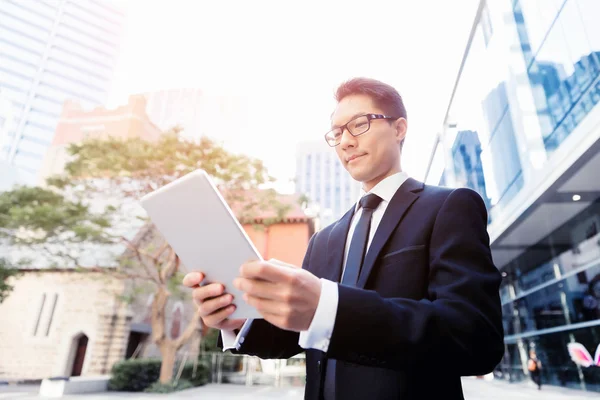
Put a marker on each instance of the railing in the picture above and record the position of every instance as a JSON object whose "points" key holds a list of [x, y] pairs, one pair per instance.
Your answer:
{"points": [[249, 371]]}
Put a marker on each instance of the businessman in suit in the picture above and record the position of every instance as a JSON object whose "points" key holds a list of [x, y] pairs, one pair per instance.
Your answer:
{"points": [[396, 300]]}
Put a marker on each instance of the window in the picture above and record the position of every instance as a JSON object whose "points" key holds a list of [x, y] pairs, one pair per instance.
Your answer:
{"points": [[39, 315], [51, 317], [486, 25]]}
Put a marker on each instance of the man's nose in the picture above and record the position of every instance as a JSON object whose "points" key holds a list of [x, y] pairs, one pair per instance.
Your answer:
{"points": [[347, 139]]}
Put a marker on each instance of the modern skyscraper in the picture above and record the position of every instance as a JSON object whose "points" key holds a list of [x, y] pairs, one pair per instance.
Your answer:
{"points": [[468, 170], [321, 177], [529, 86], [51, 51]]}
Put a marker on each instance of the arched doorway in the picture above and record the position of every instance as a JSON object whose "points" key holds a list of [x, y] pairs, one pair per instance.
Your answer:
{"points": [[80, 347]]}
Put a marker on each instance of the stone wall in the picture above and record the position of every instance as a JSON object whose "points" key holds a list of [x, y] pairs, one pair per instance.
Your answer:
{"points": [[45, 315]]}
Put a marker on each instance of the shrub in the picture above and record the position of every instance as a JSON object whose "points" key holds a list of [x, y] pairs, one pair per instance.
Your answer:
{"points": [[158, 387], [202, 373], [134, 375]]}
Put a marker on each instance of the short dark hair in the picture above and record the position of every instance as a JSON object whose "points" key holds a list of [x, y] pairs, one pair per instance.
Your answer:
{"points": [[384, 96]]}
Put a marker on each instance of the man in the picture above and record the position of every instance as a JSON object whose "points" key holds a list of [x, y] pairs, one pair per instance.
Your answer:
{"points": [[534, 365], [417, 306]]}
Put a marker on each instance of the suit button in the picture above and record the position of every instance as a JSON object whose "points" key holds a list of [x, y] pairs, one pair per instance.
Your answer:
{"points": [[319, 366]]}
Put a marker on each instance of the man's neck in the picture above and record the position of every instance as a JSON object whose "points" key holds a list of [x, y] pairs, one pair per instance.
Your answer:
{"points": [[367, 186]]}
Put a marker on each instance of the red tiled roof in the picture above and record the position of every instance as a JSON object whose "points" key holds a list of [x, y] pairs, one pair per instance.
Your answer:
{"points": [[257, 214]]}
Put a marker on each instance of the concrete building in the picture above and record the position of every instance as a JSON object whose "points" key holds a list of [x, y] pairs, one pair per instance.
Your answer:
{"points": [[51, 51]]}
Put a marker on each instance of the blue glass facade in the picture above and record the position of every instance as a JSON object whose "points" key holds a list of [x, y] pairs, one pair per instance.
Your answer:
{"points": [[525, 103], [563, 62]]}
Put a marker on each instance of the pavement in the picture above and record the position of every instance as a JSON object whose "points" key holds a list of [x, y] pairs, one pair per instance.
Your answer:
{"points": [[474, 389]]}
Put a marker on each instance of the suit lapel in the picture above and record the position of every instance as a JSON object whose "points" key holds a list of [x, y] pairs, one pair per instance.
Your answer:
{"points": [[400, 203], [336, 246]]}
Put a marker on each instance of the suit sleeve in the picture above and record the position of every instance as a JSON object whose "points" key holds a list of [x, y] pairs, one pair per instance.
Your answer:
{"points": [[458, 325], [267, 341]]}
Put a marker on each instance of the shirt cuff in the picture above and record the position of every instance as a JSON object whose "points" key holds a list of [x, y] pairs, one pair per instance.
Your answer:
{"points": [[319, 332], [229, 339]]}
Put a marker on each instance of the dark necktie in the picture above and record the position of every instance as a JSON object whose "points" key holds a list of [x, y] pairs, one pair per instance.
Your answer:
{"points": [[356, 255]]}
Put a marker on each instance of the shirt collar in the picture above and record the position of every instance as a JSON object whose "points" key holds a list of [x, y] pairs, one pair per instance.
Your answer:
{"points": [[386, 188]]}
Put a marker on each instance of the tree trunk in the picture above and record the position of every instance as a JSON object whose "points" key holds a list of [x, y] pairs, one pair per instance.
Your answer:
{"points": [[168, 353]]}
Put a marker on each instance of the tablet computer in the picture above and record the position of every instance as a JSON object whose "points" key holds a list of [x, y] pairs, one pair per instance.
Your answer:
{"points": [[195, 220]]}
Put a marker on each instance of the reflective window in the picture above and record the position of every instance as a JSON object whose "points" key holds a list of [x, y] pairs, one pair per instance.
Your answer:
{"points": [[563, 70], [21, 19], [38, 132], [26, 42], [32, 147], [534, 18], [19, 53]]}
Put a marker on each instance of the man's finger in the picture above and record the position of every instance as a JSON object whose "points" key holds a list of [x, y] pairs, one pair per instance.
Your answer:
{"points": [[193, 279], [267, 306], [216, 319], [265, 271], [257, 288], [203, 293], [208, 307]]}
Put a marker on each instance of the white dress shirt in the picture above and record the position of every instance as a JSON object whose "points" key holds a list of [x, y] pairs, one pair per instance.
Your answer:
{"points": [[319, 333]]}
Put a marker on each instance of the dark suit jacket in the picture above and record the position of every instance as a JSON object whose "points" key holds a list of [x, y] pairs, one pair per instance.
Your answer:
{"points": [[426, 309]]}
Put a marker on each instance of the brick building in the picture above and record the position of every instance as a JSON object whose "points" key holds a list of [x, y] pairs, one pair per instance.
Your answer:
{"points": [[76, 124]]}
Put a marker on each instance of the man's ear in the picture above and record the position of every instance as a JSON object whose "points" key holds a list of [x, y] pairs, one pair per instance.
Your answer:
{"points": [[401, 126]]}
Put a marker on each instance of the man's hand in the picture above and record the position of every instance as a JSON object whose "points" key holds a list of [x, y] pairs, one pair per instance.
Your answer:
{"points": [[214, 305], [286, 297]]}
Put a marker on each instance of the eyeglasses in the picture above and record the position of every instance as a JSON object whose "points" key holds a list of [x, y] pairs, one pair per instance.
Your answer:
{"points": [[356, 127]]}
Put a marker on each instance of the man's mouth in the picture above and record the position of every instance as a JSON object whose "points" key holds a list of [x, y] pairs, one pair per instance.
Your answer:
{"points": [[354, 157]]}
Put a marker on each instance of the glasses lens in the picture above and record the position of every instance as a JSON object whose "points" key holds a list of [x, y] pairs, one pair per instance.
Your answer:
{"points": [[334, 136], [359, 125]]}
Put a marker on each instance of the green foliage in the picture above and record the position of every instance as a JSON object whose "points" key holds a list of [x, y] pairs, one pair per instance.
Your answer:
{"points": [[6, 271], [46, 221], [210, 340], [138, 166], [136, 375], [202, 373], [158, 387]]}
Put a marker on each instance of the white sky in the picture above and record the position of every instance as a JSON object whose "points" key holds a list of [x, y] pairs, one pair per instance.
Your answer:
{"points": [[286, 59]]}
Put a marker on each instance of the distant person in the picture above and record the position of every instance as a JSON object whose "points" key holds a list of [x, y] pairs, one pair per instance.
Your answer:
{"points": [[406, 320], [534, 365]]}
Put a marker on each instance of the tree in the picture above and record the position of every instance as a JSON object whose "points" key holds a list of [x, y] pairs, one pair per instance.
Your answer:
{"points": [[66, 219], [6, 272]]}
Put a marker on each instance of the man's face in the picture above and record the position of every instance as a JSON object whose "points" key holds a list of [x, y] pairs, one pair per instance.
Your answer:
{"points": [[374, 155]]}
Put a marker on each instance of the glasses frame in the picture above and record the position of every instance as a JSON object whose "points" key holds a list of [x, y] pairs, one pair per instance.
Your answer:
{"points": [[344, 127]]}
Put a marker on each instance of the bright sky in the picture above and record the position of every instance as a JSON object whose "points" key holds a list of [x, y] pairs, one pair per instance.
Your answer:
{"points": [[286, 58]]}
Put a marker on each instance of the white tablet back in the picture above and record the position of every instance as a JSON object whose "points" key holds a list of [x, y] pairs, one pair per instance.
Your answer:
{"points": [[198, 224]]}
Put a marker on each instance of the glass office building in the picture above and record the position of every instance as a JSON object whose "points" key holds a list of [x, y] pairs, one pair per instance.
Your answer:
{"points": [[50, 51], [523, 129], [320, 176]]}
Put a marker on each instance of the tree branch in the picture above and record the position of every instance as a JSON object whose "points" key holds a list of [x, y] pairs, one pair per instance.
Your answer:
{"points": [[161, 250], [188, 332], [171, 267], [138, 254], [158, 315]]}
